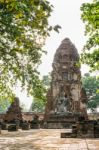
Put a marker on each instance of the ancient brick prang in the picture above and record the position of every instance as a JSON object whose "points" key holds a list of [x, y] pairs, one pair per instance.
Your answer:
{"points": [[66, 93]]}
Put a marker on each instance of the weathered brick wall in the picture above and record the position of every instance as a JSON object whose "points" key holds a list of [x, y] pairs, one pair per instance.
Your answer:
{"points": [[28, 116]]}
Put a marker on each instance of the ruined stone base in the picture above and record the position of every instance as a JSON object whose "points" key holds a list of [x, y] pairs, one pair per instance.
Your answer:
{"points": [[60, 121], [58, 125], [86, 129], [68, 135], [73, 135]]}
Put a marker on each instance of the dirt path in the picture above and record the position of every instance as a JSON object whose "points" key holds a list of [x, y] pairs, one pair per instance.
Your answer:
{"points": [[44, 139]]}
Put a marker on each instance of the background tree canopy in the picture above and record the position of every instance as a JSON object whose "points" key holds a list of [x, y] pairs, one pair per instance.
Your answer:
{"points": [[91, 85], [40, 99], [23, 29], [90, 17]]}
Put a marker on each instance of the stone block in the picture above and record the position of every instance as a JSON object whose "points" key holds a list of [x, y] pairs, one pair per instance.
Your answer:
{"points": [[12, 128], [25, 126], [34, 125], [68, 135], [4, 126]]}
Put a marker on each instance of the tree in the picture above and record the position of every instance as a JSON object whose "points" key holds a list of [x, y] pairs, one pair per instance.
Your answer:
{"points": [[91, 85], [90, 16], [39, 98], [23, 29], [4, 104]]}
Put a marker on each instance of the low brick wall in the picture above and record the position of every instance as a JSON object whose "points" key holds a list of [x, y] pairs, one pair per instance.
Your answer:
{"points": [[2, 115], [28, 116]]}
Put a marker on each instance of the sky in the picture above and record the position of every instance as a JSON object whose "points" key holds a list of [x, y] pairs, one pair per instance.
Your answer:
{"points": [[66, 13]]}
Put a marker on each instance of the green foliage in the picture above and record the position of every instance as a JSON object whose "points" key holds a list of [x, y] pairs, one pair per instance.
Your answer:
{"points": [[23, 29], [39, 99], [90, 16], [38, 106], [91, 85], [4, 104]]}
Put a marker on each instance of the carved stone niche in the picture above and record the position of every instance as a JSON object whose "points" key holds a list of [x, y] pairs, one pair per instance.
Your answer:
{"points": [[61, 103], [65, 75]]}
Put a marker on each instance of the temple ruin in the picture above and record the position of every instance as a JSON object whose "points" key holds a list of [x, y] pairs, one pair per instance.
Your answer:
{"points": [[14, 111], [66, 96]]}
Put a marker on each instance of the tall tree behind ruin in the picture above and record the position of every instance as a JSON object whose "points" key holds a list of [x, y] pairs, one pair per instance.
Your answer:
{"points": [[24, 27], [90, 17]]}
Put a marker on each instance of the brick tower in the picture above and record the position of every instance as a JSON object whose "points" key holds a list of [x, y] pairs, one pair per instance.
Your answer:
{"points": [[66, 95]]}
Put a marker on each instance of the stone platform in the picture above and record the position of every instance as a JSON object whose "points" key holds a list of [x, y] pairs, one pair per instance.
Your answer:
{"points": [[61, 121], [44, 139], [56, 121]]}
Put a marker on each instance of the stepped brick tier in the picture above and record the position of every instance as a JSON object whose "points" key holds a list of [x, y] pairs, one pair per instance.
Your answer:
{"points": [[14, 111], [66, 98], [85, 129]]}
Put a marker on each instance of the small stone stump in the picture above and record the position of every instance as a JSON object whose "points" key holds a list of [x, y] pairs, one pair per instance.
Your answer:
{"points": [[35, 123], [25, 126], [12, 127], [4, 126]]}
